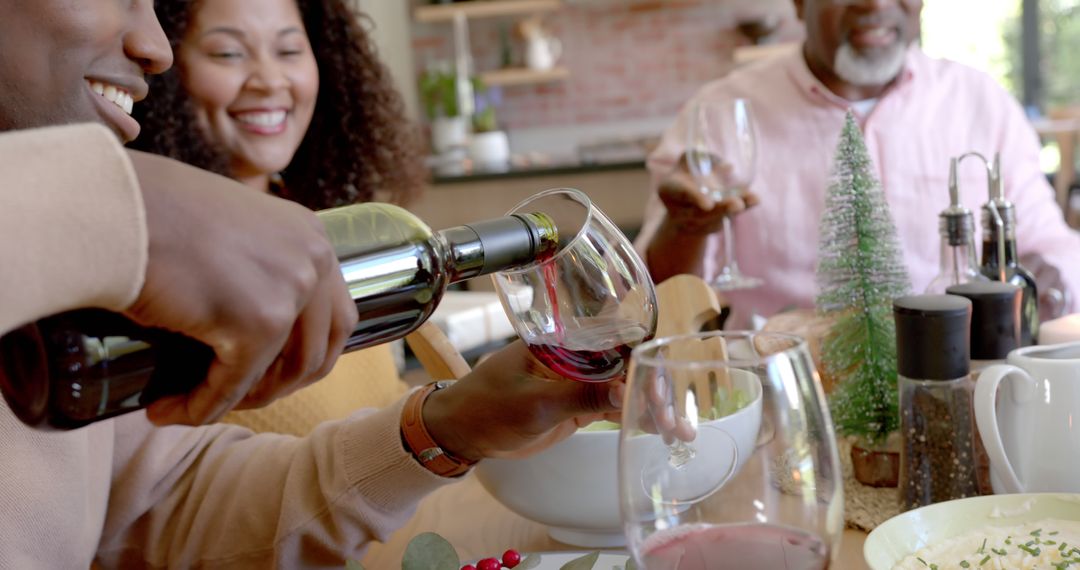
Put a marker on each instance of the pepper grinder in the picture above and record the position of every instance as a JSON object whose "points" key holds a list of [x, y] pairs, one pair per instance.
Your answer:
{"points": [[937, 460], [995, 331], [995, 320]]}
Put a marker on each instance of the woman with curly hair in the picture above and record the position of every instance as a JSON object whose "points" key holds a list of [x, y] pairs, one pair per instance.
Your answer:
{"points": [[286, 96]]}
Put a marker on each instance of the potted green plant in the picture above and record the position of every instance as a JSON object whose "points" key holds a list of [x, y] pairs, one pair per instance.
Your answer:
{"points": [[489, 147], [438, 92]]}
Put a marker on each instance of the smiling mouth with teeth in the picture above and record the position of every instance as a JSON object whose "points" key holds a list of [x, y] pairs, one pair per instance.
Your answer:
{"points": [[114, 94], [267, 119]]}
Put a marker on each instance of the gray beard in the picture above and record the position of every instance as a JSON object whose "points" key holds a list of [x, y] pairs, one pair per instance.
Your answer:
{"points": [[863, 70]]}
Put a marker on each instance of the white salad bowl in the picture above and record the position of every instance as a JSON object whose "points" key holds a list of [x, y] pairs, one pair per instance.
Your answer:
{"points": [[572, 487]]}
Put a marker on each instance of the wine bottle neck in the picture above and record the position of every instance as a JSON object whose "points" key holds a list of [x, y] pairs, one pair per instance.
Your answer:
{"points": [[466, 253], [498, 244]]}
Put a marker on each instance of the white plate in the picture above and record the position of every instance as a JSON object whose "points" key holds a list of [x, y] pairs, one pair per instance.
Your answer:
{"points": [[555, 560]]}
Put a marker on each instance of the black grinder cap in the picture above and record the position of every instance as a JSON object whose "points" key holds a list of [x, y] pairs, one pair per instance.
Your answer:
{"points": [[995, 317], [932, 336]]}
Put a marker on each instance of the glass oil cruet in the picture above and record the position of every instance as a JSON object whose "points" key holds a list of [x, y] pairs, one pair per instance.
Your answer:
{"points": [[1000, 261], [956, 225]]}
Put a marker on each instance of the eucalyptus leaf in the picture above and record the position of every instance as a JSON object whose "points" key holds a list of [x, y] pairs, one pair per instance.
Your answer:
{"points": [[529, 562], [353, 565], [429, 551], [584, 563]]}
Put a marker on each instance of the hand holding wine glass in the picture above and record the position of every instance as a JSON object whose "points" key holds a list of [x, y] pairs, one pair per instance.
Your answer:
{"points": [[692, 210], [582, 309], [509, 407], [721, 152]]}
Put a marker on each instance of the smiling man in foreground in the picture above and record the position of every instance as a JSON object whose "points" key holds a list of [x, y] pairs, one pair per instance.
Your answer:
{"points": [[84, 223]]}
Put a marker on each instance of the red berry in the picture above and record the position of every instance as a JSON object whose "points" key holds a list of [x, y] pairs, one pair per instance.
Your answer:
{"points": [[488, 564], [511, 558], [468, 567]]}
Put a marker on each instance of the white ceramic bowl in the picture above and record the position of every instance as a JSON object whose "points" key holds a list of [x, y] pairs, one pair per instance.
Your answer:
{"points": [[572, 487], [903, 534]]}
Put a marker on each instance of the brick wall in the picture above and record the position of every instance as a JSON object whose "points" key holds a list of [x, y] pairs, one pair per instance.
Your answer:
{"points": [[628, 59]]}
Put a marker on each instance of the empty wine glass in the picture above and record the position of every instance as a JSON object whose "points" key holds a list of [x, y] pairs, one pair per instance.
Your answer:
{"points": [[586, 305], [763, 488], [721, 152]]}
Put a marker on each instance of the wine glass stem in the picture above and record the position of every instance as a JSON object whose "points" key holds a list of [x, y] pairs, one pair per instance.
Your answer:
{"points": [[730, 265], [680, 453]]}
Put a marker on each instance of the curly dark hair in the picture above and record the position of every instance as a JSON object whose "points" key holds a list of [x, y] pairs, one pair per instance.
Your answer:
{"points": [[359, 141]]}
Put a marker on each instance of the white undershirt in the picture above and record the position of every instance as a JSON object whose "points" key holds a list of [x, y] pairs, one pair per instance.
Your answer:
{"points": [[863, 108]]}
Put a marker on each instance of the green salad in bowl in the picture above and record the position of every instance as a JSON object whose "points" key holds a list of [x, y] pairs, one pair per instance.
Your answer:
{"points": [[726, 402]]}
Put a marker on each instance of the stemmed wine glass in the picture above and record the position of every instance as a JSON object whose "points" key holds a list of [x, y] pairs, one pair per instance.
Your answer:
{"points": [[584, 306], [763, 487], [721, 152]]}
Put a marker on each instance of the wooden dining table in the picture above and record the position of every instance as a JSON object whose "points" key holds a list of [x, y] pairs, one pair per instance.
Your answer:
{"points": [[478, 526]]}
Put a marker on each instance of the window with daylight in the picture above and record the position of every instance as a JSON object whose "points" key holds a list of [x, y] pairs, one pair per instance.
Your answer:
{"points": [[1031, 47]]}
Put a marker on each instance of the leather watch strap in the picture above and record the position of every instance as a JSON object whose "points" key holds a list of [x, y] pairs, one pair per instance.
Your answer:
{"points": [[419, 441]]}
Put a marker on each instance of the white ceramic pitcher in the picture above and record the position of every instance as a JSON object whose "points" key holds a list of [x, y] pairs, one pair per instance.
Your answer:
{"points": [[542, 52], [1032, 431]]}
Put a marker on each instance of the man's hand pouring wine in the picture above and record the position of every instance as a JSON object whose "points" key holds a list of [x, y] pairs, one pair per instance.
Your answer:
{"points": [[252, 276]]}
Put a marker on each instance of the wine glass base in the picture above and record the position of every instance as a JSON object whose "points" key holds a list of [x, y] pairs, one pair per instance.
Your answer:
{"points": [[735, 281]]}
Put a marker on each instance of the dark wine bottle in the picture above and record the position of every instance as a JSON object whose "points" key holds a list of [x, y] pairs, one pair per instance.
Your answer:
{"points": [[999, 258], [78, 367], [1015, 274]]}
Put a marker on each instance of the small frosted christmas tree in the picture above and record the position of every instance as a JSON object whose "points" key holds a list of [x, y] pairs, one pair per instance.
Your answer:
{"points": [[859, 273]]}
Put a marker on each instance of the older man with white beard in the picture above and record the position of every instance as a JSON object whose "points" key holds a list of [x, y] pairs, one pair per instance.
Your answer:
{"points": [[915, 113]]}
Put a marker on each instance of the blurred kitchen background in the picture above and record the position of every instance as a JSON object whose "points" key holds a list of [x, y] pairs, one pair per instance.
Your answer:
{"points": [[521, 95], [517, 96]]}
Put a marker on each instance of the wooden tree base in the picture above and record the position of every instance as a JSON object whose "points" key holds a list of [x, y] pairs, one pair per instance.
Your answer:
{"points": [[875, 468]]}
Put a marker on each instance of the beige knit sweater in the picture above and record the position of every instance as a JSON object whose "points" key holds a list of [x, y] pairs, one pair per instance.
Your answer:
{"points": [[122, 492]]}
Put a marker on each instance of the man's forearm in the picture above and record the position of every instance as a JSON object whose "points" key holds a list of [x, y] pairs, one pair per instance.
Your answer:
{"points": [[674, 251], [73, 223]]}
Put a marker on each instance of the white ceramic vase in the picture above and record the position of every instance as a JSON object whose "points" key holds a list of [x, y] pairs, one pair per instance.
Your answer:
{"points": [[490, 150], [449, 133]]}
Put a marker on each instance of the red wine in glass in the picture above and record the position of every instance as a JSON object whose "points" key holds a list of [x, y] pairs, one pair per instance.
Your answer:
{"points": [[551, 277], [597, 352], [735, 547], [589, 349]]}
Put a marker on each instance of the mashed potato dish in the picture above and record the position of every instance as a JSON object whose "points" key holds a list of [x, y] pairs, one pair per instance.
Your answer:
{"points": [[1049, 544]]}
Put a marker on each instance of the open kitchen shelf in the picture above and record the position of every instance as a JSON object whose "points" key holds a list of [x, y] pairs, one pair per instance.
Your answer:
{"points": [[483, 9], [523, 76]]}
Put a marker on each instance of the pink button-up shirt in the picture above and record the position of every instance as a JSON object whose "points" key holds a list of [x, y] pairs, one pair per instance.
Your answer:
{"points": [[937, 110]]}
